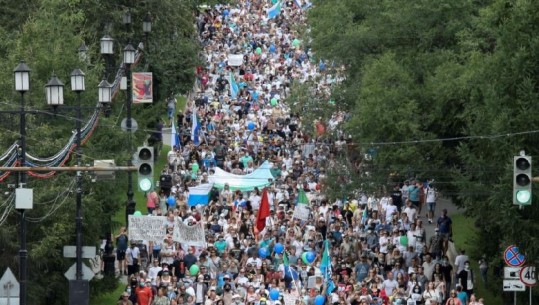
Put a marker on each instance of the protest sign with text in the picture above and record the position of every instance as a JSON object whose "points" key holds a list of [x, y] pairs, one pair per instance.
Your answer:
{"points": [[148, 228], [189, 235]]}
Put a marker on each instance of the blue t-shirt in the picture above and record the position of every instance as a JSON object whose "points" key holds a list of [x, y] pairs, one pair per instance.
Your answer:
{"points": [[413, 193], [444, 224], [463, 297]]}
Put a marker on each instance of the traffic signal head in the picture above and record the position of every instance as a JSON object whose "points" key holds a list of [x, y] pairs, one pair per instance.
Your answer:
{"points": [[145, 167], [522, 180]]}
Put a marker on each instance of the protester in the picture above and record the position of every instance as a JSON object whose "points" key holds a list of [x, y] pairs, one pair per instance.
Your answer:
{"points": [[283, 241]]}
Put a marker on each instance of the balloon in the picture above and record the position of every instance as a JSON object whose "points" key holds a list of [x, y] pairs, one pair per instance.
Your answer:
{"points": [[251, 125], [263, 252], [171, 200], [272, 48], [310, 257], [295, 42], [225, 13], [194, 168], [193, 270], [274, 294], [304, 258], [279, 248], [137, 213], [258, 51], [273, 102], [274, 1], [319, 300]]}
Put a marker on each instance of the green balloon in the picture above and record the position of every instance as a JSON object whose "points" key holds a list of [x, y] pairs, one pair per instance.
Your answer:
{"points": [[258, 50], [295, 42], [137, 213], [274, 1], [193, 270], [194, 168], [273, 102], [304, 258]]}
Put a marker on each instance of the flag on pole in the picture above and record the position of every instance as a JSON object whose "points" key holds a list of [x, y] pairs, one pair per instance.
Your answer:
{"points": [[325, 268], [234, 88], [174, 136], [302, 197], [195, 128], [274, 11], [286, 264], [263, 211]]}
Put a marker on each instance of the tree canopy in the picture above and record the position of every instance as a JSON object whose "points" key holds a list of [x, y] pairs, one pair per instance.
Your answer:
{"points": [[47, 34], [446, 90]]}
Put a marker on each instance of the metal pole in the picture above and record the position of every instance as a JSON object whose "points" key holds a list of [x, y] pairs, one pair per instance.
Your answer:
{"points": [[130, 204], [514, 298], [78, 218], [23, 253], [67, 169], [531, 287]]}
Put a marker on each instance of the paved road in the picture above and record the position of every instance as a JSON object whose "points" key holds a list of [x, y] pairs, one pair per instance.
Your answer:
{"points": [[442, 203]]}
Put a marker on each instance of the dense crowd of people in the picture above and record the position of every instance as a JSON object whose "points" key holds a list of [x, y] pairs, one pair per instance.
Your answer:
{"points": [[378, 248]]}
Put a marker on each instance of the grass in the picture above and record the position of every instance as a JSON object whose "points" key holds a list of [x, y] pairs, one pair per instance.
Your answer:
{"points": [[464, 233], [108, 298]]}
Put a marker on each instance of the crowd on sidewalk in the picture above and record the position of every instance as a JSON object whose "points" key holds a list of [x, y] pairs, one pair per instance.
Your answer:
{"points": [[368, 249]]}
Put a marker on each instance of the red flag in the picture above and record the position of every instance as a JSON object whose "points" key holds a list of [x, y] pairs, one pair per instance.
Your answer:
{"points": [[263, 211]]}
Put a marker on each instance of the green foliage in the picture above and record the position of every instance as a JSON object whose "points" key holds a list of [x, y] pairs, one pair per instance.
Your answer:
{"points": [[47, 34], [461, 71]]}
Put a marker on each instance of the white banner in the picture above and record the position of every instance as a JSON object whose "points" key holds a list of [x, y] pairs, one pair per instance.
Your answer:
{"points": [[147, 228], [302, 211], [189, 235], [235, 60]]}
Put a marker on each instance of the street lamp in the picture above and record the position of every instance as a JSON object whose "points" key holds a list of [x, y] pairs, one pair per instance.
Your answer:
{"points": [[127, 19], [105, 96], [107, 50], [129, 59], [147, 23], [147, 29], [83, 52], [54, 92], [22, 84]]}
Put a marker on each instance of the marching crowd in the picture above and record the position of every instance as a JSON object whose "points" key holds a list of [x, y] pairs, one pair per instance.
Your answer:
{"points": [[378, 250]]}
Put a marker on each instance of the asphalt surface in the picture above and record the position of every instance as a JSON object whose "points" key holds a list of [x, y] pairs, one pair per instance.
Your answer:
{"points": [[441, 204]]}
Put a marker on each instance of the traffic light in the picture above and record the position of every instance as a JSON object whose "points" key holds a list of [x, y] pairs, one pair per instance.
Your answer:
{"points": [[145, 167], [522, 180]]}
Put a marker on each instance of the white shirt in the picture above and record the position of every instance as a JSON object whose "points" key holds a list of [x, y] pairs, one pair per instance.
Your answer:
{"points": [[390, 209], [411, 213], [431, 195], [134, 252], [152, 273], [389, 286]]}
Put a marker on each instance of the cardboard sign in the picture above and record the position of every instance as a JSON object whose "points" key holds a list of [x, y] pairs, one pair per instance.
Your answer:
{"points": [[189, 235], [302, 212], [235, 60], [147, 228]]}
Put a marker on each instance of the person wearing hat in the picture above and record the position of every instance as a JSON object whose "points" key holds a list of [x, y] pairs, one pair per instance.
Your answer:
{"points": [[237, 300], [124, 299]]}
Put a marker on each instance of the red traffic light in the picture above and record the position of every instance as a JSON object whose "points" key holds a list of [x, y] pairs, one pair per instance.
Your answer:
{"points": [[522, 164], [145, 154]]}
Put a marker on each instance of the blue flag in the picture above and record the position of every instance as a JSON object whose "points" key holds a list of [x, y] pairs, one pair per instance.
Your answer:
{"points": [[174, 136], [274, 11], [195, 127], [234, 88], [325, 268]]}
